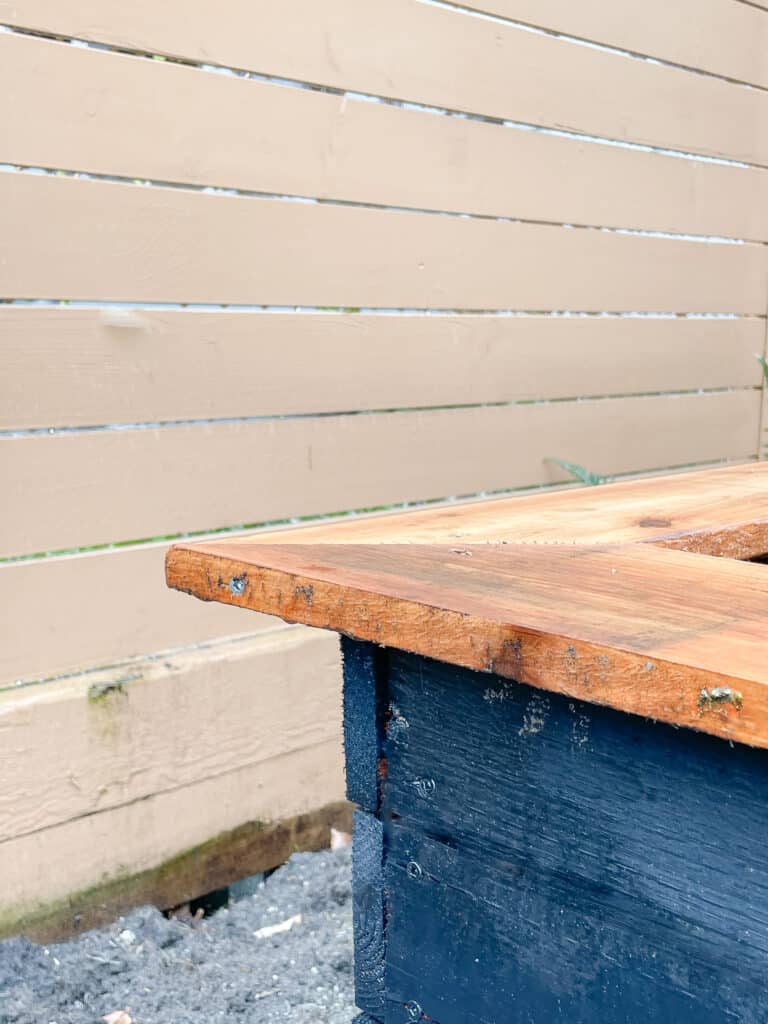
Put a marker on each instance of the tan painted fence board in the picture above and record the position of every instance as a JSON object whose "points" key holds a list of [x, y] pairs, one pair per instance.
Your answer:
{"points": [[45, 868], [161, 366], [268, 696], [107, 113], [413, 51], [55, 618], [719, 36], [112, 485], [127, 242]]}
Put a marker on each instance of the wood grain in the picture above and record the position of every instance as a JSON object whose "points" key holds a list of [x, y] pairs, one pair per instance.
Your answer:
{"points": [[368, 912], [172, 245], [719, 36], [116, 485], [362, 708], [430, 55], [642, 629], [573, 862], [238, 853], [155, 834], [109, 113], [62, 599], [145, 727], [135, 366], [722, 511]]}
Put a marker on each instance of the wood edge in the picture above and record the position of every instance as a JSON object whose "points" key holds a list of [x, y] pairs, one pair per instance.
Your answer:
{"points": [[595, 673], [738, 541], [246, 850]]}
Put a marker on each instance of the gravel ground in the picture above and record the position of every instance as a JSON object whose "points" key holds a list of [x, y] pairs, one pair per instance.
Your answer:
{"points": [[160, 971]]}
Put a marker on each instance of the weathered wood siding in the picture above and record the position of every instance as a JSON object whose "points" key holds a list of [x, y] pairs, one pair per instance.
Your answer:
{"points": [[251, 274]]}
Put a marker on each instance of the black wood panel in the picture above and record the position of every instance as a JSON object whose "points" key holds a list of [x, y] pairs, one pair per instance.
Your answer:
{"points": [[362, 721], [548, 860], [368, 913]]}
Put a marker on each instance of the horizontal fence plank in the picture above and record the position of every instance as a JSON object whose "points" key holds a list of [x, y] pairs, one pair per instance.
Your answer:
{"points": [[59, 868], [431, 55], [718, 36], [108, 113], [56, 619], [237, 853], [160, 366], [127, 242], [112, 485], [255, 690]]}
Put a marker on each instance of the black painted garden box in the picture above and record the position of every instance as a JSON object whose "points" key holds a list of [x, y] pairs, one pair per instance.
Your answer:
{"points": [[556, 722]]}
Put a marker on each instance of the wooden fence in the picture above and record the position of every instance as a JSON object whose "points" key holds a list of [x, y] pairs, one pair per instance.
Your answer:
{"points": [[268, 261]]}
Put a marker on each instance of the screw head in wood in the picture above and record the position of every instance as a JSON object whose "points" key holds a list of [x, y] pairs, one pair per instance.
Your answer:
{"points": [[237, 584], [413, 870], [424, 788]]}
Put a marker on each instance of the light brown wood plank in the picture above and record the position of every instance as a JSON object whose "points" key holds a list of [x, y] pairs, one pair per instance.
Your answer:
{"points": [[642, 629], [412, 51], [173, 245], [722, 511], [134, 366], [56, 618], [49, 870], [108, 113], [156, 715], [719, 36], [111, 485]]}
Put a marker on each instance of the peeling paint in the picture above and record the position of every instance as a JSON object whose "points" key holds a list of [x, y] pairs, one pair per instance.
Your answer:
{"points": [[504, 692], [535, 716]]}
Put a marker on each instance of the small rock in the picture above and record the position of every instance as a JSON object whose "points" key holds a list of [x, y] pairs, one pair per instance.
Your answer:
{"points": [[117, 1017]]}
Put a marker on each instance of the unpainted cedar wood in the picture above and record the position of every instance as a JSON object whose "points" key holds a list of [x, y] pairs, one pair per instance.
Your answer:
{"points": [[413, 51], [109, 113], [112, 720], [175, 245], [81, 629], [718, 36], [109, 485], [639, 628], [718, 511], [158, 366]]}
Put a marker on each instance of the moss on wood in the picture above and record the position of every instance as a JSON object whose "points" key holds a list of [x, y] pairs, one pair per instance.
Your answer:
{"points": [[243, 851]]}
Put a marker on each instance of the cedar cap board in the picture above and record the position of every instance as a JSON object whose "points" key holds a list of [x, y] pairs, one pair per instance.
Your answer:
{"points": [[720, 511], [668, 634]]}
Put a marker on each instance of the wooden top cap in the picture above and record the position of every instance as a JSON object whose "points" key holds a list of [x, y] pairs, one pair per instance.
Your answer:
{"points": [[607, 594]]}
